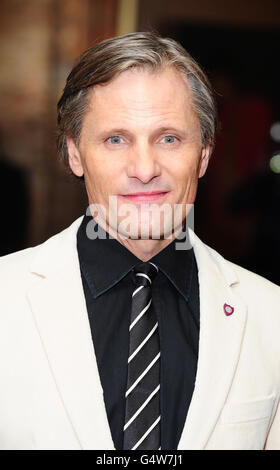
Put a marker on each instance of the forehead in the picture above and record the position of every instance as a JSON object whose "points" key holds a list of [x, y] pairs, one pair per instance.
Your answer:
{"points": [[140, 93]]}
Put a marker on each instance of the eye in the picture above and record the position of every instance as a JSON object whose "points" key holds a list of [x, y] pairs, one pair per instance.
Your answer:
{"points": [[115, 139], [169, 139]]}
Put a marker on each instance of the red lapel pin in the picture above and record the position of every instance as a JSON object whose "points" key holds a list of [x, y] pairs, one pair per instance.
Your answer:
{"points": [[228, 310]]}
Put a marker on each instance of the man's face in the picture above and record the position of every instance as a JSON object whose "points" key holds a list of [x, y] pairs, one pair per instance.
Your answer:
{"points": [[140, 134]]}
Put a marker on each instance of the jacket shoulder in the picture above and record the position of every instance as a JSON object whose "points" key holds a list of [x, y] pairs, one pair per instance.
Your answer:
{"points": [[13, 266], [256, 291], [255, 282], [262, 298], [235, 272], [17, 261]]}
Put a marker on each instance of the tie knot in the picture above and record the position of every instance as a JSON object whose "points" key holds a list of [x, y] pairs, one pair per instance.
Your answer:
{"points": [[145, 273]]}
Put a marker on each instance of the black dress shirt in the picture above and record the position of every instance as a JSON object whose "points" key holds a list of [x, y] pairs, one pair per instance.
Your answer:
{"points": [[108, 282]]}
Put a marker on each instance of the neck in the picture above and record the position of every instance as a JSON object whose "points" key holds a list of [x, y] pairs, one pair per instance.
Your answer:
{"points": [[144, 249]]}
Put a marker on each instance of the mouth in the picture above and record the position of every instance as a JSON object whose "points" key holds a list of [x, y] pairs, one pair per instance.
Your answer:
{"points": [[145, 197]]}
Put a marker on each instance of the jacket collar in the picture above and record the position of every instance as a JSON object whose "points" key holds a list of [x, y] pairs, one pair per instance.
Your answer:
{"points": [[105, 261], [65, 242]]}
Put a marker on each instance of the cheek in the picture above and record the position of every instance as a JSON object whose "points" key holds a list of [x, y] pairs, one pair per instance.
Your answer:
{"points": [[101, 176], [99, 165], [184, 171], [95, 171]]}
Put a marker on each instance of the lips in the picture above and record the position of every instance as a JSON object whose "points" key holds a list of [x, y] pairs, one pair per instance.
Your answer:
{"points": [[145, 196]]}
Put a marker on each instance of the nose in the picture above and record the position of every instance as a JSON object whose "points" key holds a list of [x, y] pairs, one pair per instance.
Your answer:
{"points": [[143, 163]]}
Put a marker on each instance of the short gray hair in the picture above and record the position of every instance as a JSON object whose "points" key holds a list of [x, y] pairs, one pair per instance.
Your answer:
{"points": [[104, 61]]}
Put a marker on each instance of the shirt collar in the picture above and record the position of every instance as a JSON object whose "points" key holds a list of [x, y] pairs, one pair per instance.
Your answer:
{"points": [[105, 261]]}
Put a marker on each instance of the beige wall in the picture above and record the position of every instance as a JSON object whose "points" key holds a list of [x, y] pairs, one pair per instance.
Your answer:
{"points": [[39, 41]]}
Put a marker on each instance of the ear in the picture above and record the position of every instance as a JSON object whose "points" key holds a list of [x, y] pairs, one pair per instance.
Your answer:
{"points": [[75, 160], [205, 155]]}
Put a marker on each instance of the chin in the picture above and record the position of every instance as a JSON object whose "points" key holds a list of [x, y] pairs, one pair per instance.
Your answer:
{"points": [[148, 231]]}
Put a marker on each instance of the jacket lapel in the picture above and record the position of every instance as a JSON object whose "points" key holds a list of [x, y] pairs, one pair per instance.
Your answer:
{"points": [[58, 305], [219, 345], [60, 313]]}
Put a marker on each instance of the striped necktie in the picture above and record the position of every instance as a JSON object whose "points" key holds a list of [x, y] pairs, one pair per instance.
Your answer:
{"points": [[142, 414]]}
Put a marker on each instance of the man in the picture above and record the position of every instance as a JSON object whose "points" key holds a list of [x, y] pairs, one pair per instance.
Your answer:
{"points": [[112, 335]]}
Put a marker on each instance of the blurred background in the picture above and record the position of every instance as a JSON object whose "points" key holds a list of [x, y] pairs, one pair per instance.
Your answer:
{"points": [[237, 42]]}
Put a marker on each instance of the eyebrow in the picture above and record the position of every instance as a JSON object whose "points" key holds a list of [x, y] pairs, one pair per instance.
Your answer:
{"points": [[160, 130], [113, 131], [170, 129]]}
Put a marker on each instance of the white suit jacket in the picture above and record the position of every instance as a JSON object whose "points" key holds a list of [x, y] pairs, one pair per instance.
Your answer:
{"points": [[51, 395]]}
